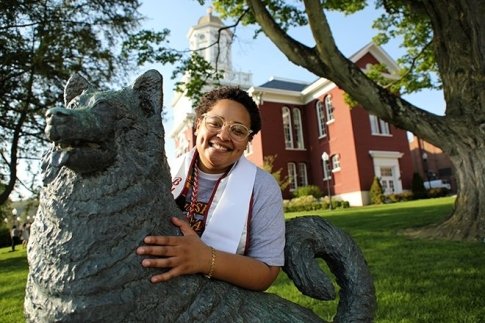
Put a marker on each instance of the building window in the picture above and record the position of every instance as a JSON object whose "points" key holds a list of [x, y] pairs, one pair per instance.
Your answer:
{"points": [[302, 175], [378, 126], [298, 128], [335, 162], [329, 108], [322, 130], [292, 176], [287, 127], [293, 128]]}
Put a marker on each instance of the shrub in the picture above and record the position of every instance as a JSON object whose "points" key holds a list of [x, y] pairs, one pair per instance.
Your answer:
{"points": [[310, 203], [437, 192], [4, 236], [312, 190], [303, 203], [376, 193], [406, 196]]}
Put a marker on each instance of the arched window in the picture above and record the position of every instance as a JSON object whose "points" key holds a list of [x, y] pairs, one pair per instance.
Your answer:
{"points": [[322, 130], [329, 108], [292, 176], [298, 128], [336, 162], [287, 127]]}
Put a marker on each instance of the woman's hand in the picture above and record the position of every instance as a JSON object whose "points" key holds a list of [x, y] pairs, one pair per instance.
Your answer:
{"points": [[186, 254]]}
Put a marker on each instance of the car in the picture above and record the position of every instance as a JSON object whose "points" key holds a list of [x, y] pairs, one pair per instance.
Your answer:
{"points": [[437, 183]]}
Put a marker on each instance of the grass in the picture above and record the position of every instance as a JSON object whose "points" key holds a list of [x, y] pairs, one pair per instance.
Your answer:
{"points": [[13, 275], [415, 280]]}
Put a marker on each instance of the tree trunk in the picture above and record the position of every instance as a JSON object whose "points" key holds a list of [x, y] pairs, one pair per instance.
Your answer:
{"points": [[467, 221]]}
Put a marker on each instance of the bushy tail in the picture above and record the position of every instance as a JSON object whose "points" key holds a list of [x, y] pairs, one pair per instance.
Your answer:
{"points": [[311, 237]]}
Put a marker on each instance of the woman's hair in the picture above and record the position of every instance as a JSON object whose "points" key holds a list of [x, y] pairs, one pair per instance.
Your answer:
{"points": [[234, 93]]}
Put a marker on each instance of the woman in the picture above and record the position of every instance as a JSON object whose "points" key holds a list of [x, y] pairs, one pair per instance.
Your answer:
{"points": [[235, 224]]}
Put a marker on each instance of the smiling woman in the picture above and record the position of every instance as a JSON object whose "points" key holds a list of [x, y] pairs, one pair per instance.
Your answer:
{"points": [[235, 230]]}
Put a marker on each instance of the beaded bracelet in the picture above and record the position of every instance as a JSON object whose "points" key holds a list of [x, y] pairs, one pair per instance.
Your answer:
{"points": [[213, 263]]}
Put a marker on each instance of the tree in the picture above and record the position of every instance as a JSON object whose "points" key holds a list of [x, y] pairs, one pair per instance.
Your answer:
{"points": [[42, 43], [268, 164], [445, 49], [376, 193]]}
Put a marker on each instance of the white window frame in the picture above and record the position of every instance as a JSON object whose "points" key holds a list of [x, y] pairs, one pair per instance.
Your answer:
{"points": [[298, 128], [302, 175], [292, 176], [287, 128], [329, 108], [378, 126], [336, 163], [322, 129]]}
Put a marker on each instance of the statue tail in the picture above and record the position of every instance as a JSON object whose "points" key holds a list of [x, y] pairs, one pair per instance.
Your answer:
{"points": [[311, 237]]}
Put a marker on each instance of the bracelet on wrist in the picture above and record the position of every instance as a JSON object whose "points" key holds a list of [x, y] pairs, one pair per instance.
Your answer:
{"points": [[213, 263]]}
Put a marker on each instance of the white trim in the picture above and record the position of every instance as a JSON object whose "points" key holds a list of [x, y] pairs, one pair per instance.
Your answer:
{"points": [[385, 154]]}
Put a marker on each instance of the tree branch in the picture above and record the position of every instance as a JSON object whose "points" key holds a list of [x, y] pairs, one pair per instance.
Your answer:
{"points": [[296, 52]]}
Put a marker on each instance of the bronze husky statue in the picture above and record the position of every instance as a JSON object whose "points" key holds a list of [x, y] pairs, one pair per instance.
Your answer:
{"points": [[107, 185]]}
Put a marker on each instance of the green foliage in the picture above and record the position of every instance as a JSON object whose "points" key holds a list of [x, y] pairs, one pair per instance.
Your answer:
{"points": [[5, 208], [200, 73], [302, 203], [312, 190], [419, 64], [145, 47], [437, 192], [4, 235], [43, 43], [310, 202], [376, 193], [268, 165], [400, 197], [417, 186]]}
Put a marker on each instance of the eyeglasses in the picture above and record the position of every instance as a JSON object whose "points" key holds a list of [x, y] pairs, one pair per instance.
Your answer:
{"points": [[237, 131]]}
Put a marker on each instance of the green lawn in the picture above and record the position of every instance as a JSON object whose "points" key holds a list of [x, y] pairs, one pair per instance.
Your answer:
{"points": [[13, 275], [415, 280]]}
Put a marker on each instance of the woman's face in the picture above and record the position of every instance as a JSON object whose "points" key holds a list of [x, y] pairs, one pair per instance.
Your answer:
{"points": [[217, 149]]}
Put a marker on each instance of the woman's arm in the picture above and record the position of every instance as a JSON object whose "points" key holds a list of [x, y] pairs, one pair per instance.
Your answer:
{"points": [[188, 254]]}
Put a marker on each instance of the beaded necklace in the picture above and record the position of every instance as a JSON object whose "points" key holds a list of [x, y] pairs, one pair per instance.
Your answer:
{"points": [[195, 191]]}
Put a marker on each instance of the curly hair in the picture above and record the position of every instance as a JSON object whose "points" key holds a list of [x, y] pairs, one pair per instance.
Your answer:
{"points": [[235, 93]]}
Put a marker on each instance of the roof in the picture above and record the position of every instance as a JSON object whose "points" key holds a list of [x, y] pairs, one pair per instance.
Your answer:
{"points": [[209, 19], [287, 85]]}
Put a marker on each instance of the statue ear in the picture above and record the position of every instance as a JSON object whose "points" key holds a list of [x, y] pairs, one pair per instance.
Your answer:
{"points": [[74, 87], [149, 87]]}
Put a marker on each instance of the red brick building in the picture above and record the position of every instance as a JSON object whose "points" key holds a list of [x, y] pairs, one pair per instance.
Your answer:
{"points": [[302, 121]]}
